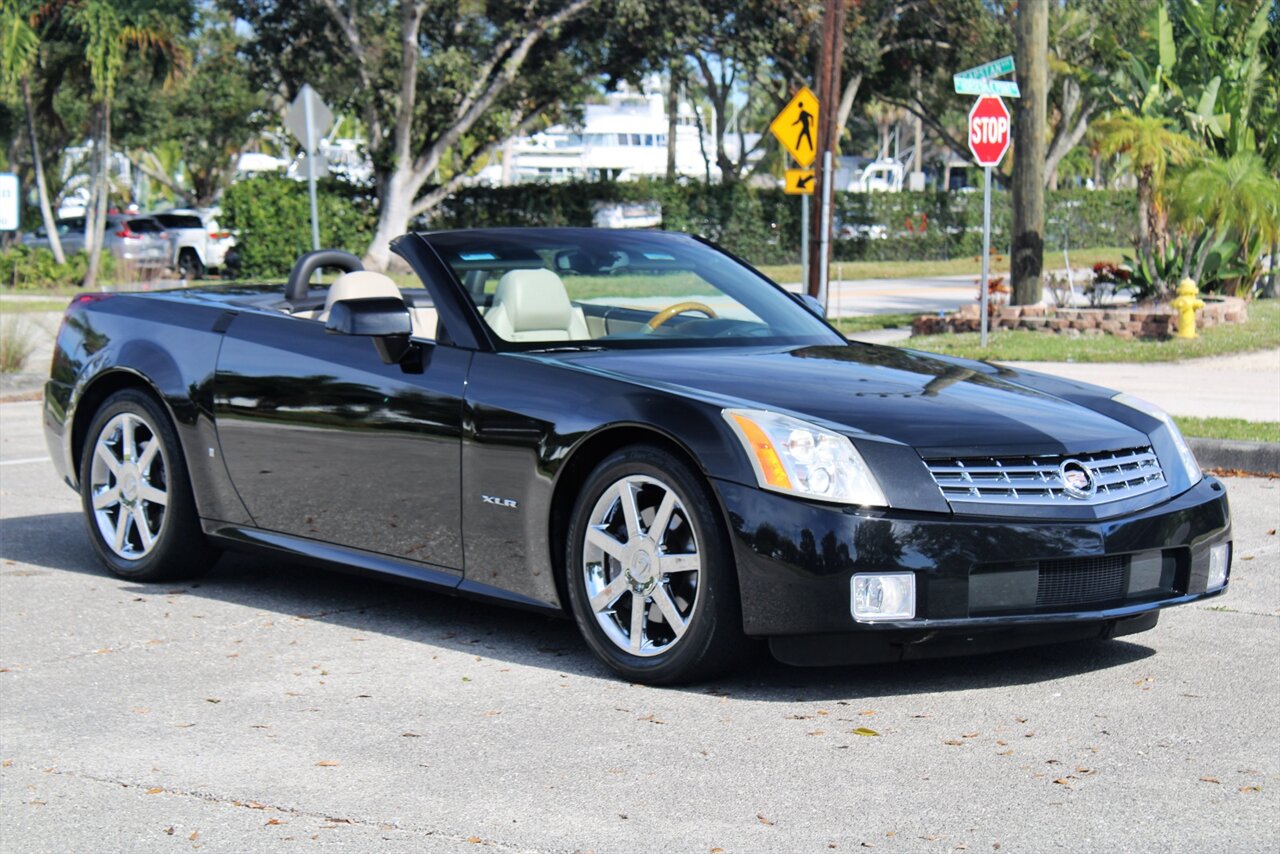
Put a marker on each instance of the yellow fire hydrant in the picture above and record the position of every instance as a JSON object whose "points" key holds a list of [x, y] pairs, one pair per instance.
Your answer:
{"points": [[1186, 303]]}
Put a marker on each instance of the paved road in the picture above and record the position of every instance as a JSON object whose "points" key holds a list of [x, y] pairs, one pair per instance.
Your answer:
{"points": [[271, 706]]}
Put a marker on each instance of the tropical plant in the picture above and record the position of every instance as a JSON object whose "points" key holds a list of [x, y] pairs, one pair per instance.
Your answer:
{"points": [[17, 342], [1233, 202], [19, 54], [1150, 146]]}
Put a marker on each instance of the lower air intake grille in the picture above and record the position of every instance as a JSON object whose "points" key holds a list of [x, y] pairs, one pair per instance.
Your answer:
{"points": [[1081, 581]]}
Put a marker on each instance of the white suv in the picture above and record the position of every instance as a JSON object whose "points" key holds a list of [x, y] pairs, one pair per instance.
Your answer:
{"points": [[199, 244]]}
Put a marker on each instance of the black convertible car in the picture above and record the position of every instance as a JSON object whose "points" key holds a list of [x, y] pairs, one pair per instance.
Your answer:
{"points": [[636, 428]]}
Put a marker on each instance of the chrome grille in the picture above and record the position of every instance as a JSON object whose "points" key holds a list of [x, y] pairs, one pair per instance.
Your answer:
{"points": [[1038, 479]]}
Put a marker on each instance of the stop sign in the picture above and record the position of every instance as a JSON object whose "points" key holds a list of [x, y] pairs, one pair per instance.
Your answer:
{"points": [[989, 130]]}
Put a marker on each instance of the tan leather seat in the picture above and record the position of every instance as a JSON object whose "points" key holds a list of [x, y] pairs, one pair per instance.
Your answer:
{"points": [[364, 284], [532, 305]]}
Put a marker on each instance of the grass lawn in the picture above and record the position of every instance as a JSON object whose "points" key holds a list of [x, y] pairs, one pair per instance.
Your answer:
{"points": [[13, 306], [863, 323], [1261, 332], [968, 266], [1229, 428]]}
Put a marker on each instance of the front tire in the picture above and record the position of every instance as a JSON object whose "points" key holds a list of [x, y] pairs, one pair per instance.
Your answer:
{"points": [[136, 495], [651, 578]]}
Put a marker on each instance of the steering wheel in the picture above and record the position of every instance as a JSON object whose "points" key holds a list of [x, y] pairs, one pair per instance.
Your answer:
{"points": [[679, 308]]}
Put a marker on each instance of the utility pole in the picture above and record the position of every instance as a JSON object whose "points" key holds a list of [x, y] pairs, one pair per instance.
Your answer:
{"points": [[1026, 255], [829, 66]]}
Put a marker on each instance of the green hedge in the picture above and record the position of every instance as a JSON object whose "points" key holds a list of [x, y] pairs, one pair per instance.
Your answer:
{"points": [[271, 216], [763, 225]]}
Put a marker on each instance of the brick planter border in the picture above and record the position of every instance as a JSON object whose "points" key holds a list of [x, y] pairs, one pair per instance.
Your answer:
{"points": [[1156, 321]]}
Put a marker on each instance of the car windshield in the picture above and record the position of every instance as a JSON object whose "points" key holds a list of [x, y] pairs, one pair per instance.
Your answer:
{"points": [[537, 288]]}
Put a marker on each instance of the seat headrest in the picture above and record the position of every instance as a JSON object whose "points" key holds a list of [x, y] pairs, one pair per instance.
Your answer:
{"points": [[359, 285], [534, 300]]}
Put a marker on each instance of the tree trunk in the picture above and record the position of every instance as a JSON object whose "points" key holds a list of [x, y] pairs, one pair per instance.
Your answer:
{"points": [[95, 166], [1029, 115], [104, 190], [394, 213], [673, 120], [42, 190], [1145, 224]]}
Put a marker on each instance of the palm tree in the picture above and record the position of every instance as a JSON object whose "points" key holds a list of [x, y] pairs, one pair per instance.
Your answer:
{"points": [[19, 52], [110, 34], [1151, 148], [1236, 198]]}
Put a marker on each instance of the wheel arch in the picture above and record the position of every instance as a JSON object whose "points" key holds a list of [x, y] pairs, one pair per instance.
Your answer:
{"points": [[95, 394], [577, 467]]}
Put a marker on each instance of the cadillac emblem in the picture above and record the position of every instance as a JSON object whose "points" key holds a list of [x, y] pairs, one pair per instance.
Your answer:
{"points": [[1077, 479]]}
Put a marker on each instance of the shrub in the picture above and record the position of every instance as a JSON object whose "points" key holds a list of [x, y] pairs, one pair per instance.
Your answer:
{"points": [[27, 268], [271, 216]]}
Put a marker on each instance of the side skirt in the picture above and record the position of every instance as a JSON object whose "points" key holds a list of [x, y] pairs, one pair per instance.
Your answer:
{"points": [[357, 562]]}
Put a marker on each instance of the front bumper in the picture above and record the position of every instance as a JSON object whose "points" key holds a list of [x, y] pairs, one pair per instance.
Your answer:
{"points": [[796, 558]]}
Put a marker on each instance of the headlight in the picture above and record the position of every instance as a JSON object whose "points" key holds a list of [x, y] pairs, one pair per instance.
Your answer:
{"points": [[794, 456], [1185, 456]]}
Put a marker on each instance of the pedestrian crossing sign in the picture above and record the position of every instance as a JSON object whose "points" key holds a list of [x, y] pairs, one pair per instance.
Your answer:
{"points": [[796, 127], [799, 182]]}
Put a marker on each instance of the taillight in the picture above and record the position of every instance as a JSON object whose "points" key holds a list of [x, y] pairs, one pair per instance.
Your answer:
{"points": [[85, 298], [219, 235]]}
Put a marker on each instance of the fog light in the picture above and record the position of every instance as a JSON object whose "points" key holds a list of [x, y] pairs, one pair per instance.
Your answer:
{"points": [[884, 596], [1219, 563]]}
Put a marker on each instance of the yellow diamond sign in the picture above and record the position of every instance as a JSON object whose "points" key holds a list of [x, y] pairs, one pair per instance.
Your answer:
{"points": [[796, 127], [799, 182]]}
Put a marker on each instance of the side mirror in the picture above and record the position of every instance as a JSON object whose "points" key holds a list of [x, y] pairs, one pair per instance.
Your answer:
{"points": [[384, 319]]}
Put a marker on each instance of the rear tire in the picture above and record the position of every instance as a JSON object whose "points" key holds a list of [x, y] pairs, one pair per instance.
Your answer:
{"points": [[651, 578], [136, 494], [189, 265]]}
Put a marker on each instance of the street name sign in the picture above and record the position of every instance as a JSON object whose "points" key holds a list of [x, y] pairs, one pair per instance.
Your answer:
{"points": [[796, 127], [975, 86], [980, 80], [989, 130], [10, 202], [799, 182], [995, 68]]}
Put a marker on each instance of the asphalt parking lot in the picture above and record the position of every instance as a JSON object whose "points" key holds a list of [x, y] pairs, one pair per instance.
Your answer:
{"points": [[270, 706]]}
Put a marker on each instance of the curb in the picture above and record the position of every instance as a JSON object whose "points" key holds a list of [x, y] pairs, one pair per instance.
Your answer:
{"points": [[1235, 455]]}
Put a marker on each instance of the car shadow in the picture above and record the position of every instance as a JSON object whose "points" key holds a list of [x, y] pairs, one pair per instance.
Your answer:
{"points": [[58, 542]]}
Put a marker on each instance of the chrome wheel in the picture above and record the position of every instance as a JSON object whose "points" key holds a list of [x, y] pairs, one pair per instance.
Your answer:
{"points": [[128, 485], [641, 565]]}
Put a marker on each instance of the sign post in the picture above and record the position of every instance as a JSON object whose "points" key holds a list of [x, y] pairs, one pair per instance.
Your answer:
{"points": [[10, 202], [309, 118], [989, 141], [795, 127]]}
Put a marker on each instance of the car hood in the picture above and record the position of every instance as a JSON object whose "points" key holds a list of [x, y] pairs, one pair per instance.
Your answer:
{"points": [[931, 404]]}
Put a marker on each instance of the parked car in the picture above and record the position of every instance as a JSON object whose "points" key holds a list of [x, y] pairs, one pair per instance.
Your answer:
{"points": [[139, 241], [199, 243], [637, 430]]}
